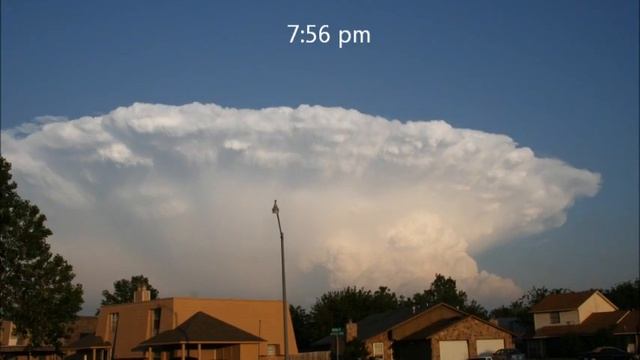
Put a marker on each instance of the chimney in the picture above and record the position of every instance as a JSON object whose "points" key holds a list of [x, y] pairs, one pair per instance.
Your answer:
{"points": [[352, 331], [141, 294]]}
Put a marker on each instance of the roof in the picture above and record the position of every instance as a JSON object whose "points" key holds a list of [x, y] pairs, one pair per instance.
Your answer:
{"points": [[630, 323], [201, 328], [24, 349], [375, 324], [619, 321], [89, 342], [558, 302], [432, 329]]}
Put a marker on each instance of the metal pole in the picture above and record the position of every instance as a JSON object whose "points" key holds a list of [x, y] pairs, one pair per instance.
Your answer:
{"points": [[285, 311]]}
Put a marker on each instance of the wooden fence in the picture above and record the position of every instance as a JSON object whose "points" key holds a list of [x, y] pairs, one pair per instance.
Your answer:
{"points": [[316, 355]]}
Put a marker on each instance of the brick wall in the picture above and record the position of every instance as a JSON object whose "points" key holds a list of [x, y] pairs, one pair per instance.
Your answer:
{"points": [[469, 329]]}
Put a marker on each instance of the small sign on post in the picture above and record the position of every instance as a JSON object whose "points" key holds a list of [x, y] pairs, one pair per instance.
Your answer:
{"points": [[337, 332]]}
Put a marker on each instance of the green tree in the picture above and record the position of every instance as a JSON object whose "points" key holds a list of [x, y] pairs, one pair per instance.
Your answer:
{"points": [[521, 307], [356, 350], [124, 289], [36, 289], [626, 295], [335, 308], [442, 290], [303, 329]]}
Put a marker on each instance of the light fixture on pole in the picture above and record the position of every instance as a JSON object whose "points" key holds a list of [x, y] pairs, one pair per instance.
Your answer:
{"points": [[285, 311]]}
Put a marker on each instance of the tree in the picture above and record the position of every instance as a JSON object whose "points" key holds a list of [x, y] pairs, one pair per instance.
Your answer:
{"points": [[301, 321], [356, 350], [124, 289], [442, 290], [521, 307], [335, 308], [626, 295], [36, 289]]}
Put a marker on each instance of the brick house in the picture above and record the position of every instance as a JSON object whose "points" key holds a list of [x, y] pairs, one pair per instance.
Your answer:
{"points": [[440, 332]]}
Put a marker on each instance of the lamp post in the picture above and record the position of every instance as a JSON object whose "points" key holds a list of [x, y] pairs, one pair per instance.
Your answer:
{"points": [[285, 311]]}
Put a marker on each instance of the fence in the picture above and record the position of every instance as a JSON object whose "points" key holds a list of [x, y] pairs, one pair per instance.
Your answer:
{"points": [[316, 355]]}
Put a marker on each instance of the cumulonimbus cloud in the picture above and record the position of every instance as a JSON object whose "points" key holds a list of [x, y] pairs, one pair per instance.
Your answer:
{"points": [[182, 194]]}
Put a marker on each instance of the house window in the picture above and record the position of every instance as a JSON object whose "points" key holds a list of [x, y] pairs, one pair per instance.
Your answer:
{"points": [[378, 350], [554, 317], [272, 349], [113, 325], [155, 321]]}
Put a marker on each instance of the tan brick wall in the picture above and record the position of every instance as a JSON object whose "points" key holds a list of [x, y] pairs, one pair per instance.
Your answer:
{"points": [[469, 329], [383, 338]]}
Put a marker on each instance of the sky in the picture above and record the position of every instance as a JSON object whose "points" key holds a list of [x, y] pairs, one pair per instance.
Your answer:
{"points": [[495, 142]]}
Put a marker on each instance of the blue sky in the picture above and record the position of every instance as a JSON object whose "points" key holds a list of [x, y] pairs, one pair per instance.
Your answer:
{"points": [[558, 77]]}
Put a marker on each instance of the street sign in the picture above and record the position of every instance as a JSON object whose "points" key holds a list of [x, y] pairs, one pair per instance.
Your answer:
{"points": [[337, 331]]}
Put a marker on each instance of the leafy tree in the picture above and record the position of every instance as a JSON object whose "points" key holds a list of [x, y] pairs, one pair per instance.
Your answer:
{"points": [[36, 289], [124, 290], [335, 308], [626, 295], [521, 307], [474, 308], [443, 289], [356, 350], [301, 321]]}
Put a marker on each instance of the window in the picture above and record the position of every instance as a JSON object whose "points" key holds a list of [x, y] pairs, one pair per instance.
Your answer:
{"points": [[113, 325], [155, 321], [378, 350], [554, 317], [272, 349]]}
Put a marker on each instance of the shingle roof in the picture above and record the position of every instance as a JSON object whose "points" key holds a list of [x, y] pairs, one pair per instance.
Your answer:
{"points": [[433, 328], [613, 320], [629, 323], [201, 328], [377, 323], [88, 342], [558, 302]]}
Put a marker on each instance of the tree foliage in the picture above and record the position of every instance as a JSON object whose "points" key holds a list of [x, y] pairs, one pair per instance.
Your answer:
{"points": [[626, 295], [521, 307], [36, 289], [123, 290], [356, 350], [336, 308]]}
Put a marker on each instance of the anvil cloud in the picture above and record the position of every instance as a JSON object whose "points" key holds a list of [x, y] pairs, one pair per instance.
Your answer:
{"points": [[183, 194]]}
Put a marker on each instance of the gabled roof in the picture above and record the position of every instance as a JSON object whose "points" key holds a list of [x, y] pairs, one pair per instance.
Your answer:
{"points": [[375, 324], [201, 328], [560, 302], [618, 322], [432, 329]]}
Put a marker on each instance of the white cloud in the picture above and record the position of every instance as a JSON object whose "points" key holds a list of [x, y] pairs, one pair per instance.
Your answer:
{"points": [[185, 193]]}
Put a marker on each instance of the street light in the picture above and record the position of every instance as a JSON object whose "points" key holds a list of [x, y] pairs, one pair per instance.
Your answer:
{"points": [[285, 311]]}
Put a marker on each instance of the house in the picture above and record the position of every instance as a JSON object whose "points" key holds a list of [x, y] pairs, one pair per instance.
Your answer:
{"points": [[16, 347], [440, 332], [189, 328], [585, 319]]}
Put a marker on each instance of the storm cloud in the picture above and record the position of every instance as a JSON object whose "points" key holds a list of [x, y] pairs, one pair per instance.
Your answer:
{"points": [[183, 194]]}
